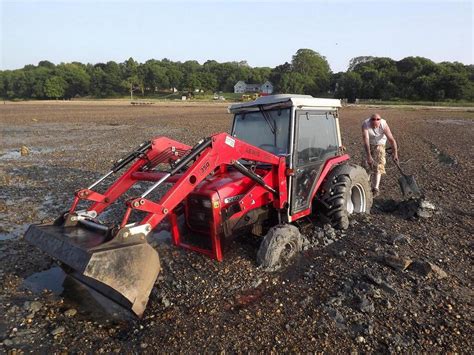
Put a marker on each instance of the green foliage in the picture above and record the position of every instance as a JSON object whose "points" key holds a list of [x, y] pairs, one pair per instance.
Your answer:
{"points": [[55, 87], [375, 78], [412, 78]]}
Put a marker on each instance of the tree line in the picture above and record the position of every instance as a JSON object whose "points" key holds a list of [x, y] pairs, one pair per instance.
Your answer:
{"points": [[412, 78]]}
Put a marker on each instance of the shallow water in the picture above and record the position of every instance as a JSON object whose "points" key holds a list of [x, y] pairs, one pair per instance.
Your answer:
{"points": [[89, 303]]}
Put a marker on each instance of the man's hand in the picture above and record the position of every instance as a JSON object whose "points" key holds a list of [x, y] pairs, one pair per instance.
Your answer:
{"points": [[370, 161]]}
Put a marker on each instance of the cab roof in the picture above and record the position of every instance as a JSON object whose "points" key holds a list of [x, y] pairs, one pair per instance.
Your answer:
{"points": [[299, 101]]}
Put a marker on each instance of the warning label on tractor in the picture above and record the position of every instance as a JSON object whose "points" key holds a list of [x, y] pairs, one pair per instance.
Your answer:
{"points": [[230, 141]]}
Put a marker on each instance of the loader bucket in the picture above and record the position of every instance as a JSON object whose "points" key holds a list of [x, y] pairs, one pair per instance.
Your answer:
{"points": [[124, 272]]}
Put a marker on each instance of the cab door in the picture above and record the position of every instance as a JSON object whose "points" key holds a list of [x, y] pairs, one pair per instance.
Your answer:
{"points": [[316, 141]]}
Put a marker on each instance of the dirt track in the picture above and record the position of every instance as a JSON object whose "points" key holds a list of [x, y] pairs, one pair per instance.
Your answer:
{"points": [[337, 298]]}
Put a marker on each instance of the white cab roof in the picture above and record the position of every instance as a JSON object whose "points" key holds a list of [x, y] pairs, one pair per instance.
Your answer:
{"points": [[295, 100]]}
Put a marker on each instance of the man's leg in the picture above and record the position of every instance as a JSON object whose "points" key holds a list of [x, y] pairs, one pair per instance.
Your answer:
{"points": [[376, 182]]}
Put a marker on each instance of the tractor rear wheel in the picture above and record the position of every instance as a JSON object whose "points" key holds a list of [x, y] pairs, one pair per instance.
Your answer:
{"points": [[345, 191], [280, 244]]}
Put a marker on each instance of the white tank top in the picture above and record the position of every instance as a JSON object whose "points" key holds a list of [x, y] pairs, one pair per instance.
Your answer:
{"points": [[376, 135]]}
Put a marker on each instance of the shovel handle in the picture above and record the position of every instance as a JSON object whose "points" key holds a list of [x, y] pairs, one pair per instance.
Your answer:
{"points": [[399, 168]]}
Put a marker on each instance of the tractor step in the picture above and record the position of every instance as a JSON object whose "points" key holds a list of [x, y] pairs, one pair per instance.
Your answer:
{"points": [[123, 271]]}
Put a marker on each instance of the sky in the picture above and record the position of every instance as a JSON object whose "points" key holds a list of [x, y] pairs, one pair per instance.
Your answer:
{"points": [[263, 33]]}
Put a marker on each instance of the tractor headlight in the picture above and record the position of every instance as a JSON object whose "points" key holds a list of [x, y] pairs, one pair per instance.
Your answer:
{"points": [[206, 203]]}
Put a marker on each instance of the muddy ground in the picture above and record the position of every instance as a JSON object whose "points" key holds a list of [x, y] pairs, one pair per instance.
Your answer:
{"points": [[387, 284]]}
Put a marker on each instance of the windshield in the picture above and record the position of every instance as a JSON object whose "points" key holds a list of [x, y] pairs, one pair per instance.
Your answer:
{"points": [[268, 130]]}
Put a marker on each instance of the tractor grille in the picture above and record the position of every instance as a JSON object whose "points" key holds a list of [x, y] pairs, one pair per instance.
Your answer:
{"points": [[199, 213]]}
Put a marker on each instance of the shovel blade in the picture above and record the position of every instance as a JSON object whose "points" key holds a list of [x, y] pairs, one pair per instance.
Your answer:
{"points": [[409, 186], [123, 272]]}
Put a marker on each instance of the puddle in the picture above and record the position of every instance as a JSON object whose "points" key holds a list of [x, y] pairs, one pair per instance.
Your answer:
{"points": [[51, 280], [14, 234], [13, 154], [455, 122], [90, 304], [443, 158]]}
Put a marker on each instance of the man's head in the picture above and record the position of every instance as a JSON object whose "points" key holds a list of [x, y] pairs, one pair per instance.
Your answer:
{"points": [[375, 120]]}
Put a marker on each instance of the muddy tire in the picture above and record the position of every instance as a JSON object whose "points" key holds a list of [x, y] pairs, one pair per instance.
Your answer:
{"points": [[280, 244], [345, 191]]}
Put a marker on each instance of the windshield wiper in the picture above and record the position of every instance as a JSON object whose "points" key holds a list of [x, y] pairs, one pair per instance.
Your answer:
{"points": [[267, 118]]}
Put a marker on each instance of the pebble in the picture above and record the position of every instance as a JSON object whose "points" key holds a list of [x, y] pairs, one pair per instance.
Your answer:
{"points": [[58, 330], [360, 339], [35, 306], [70, 312], [397, 263], [365, 305], [425, 268], [24, 150]]}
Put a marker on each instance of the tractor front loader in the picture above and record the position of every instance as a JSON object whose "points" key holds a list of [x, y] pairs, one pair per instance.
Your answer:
{"points": [[282, 161]]}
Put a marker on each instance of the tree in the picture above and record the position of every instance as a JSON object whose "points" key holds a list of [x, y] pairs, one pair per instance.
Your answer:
{"points": [[55, 87], [314, 68], [354, 62]]}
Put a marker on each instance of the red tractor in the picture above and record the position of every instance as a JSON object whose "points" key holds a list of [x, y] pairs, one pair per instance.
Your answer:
{"points": [[283, 161]]}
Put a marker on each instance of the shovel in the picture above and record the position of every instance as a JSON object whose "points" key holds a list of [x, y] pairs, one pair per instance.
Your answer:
{"points": [[408, 184]]}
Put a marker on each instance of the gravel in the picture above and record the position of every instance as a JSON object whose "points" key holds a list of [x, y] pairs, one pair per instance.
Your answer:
{"points": [[339, 295]]}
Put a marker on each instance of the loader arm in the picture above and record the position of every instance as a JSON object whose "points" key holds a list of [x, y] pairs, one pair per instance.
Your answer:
{"points": [[223, 150], [118, 262]]}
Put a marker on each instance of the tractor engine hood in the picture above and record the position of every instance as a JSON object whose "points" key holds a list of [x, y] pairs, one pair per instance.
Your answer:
{"points": [[229, 187]]}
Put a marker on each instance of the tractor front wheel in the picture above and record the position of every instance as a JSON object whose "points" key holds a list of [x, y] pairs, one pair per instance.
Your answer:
{"points": [[280, 244], [345, 191]]}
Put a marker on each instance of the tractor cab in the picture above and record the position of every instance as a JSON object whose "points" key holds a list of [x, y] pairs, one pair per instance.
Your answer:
{"points": [[300, 127]]}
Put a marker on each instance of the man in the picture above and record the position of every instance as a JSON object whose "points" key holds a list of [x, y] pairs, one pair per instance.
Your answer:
{"points": [[375, 132]]}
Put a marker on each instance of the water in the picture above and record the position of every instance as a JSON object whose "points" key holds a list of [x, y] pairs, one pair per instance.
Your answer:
{"points": [[14, 154], [51, 280], [89, 303], [14, 234]]}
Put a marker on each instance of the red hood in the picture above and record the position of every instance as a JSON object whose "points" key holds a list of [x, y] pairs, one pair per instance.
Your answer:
{"points": [[229, 184]]}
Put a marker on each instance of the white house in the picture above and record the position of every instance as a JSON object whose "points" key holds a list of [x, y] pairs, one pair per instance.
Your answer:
{"points": [[267, 87], [241, 87]]}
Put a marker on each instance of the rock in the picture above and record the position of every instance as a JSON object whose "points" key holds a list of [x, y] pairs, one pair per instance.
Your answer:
{"points": [[335, 316], [58, 330], [7, 342], [361, 328], [360, 339], [388, 288], [365, 305], [387, 304], [399, 239], [370, 277], [329, 232], [35, 306], [396, 262], [143, 345], [307, 301], [70, 312], [425, 268], [24, 150], [30, 315], [165, 302]]}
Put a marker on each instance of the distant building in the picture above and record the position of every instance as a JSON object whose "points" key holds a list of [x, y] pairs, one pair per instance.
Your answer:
{"points": [[241, 87]]}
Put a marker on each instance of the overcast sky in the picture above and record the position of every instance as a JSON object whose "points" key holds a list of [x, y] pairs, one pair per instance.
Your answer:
{"points": [[264, 33]]}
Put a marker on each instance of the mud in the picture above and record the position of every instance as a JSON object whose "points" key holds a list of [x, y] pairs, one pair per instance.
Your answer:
{"points": [[373, 288]]}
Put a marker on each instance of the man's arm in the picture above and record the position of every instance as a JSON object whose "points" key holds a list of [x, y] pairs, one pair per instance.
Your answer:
{"points": [[392, 142], [365, 138]]}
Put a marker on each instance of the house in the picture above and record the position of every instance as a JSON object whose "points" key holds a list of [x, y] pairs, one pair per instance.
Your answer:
{"points": [[241, 87]]}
